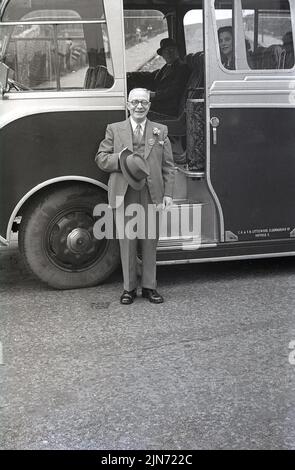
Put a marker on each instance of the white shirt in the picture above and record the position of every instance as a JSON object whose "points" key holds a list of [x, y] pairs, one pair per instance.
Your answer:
{"points": [[134, 125]]}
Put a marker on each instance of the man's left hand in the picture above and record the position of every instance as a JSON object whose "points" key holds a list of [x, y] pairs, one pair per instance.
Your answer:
{"points": [[167, 202]]}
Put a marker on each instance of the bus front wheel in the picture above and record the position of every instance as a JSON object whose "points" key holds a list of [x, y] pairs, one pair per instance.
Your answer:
{"points": [[57, 242]]}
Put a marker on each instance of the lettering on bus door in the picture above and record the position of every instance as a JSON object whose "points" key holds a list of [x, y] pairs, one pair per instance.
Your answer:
{"points": [[251, 140]]}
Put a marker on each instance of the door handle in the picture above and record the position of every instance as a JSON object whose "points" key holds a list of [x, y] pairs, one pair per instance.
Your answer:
{"points": [[214, 121]]}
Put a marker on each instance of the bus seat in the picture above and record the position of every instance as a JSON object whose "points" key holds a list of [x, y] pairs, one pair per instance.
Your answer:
{"points": [[266, 58], [98, 77]]}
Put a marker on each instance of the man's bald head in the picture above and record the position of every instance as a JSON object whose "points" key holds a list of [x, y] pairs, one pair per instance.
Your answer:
{"points": [[136, 91], [139, 104]]}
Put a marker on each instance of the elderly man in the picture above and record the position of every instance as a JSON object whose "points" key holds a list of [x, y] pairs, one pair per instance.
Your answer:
{"points": [[137, 153], [166, 84]]}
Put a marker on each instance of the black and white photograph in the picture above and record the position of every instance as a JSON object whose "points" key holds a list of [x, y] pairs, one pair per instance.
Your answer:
{"points": [[147, 228]]}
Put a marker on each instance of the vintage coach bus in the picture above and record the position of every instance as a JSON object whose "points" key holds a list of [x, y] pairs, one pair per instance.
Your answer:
{"points": [[63, 74]]}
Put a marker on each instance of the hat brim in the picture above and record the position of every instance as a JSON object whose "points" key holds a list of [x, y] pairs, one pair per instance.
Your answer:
{"points": [[135, 184]]}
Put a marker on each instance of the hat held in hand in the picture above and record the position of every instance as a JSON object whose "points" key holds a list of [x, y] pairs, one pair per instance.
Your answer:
{"points": [[134, 168]]}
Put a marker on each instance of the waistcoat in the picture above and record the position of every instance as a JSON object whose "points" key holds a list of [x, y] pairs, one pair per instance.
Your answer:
{"points": [[139, 148]]}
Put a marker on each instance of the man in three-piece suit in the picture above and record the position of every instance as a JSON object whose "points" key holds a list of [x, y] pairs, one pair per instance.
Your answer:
{"points": [[137, 154]]}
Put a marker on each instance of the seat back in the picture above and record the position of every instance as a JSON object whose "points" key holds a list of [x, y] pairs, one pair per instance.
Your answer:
{"points": [[98, 77], [195, 85], [266, 58]]}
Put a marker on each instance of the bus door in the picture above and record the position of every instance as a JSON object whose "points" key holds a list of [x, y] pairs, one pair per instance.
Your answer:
{"points": [[250, 114]]}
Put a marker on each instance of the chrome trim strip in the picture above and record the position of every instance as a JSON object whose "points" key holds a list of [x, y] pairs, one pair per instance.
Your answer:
{"points": [[185, 246], [251, 105], [105, 93], [274, 78], [208, 15], [43, 185], [3, 241], [29, 111], [250, 92], [226, 258]]}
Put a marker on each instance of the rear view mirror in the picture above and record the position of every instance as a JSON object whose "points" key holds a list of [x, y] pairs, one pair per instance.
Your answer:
{"points": [[3, 78]]}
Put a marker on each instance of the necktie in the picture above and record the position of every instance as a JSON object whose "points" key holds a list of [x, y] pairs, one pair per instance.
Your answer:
{"points": [[137, 134]]}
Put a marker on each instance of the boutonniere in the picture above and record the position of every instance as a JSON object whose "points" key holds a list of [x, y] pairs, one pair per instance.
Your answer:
{"points": [[156, 131], [151, 142]]}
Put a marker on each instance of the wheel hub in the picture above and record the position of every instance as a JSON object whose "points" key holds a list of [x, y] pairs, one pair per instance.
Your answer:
{"points": [[79, 240]]}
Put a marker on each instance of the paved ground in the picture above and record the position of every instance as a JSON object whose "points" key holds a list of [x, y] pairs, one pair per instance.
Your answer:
{"points": [[208, 369]]}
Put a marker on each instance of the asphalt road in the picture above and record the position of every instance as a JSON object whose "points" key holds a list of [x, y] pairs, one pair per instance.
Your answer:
{"points": [[208, 369]]}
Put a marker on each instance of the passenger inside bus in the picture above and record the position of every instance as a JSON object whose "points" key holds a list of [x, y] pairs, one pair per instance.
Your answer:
{"points": [[226, 46], [166, 84], [275, 56], [225, 38]]}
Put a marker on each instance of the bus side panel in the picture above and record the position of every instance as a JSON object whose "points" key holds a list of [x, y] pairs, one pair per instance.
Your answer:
{"points": [[252, 169], [43, 146]]}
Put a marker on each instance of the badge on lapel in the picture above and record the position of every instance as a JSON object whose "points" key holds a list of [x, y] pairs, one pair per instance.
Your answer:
{"points": [[151, 142]]}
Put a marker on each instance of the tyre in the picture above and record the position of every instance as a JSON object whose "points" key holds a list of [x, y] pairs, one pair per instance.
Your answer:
{"points": [[56, 238]]}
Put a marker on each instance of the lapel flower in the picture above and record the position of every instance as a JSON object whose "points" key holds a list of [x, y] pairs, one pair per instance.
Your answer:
{"points": [[156, 131]]}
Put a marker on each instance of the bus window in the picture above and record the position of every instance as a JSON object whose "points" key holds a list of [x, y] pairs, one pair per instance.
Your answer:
{"points": [[57, 56], [87, 9], [144, 30], [269, 38], [193, 31]]}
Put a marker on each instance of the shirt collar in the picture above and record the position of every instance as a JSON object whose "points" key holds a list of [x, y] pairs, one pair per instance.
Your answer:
{"points": [[134, 124]]}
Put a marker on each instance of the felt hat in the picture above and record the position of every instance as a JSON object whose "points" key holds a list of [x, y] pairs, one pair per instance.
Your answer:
{"points": [[166, 42], [134, 168]]}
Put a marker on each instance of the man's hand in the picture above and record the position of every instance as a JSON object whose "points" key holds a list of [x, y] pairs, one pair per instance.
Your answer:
{"points": [[167, 202]]}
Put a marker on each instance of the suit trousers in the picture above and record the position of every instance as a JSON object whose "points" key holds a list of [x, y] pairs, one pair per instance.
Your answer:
{"points": [[138, 228]]}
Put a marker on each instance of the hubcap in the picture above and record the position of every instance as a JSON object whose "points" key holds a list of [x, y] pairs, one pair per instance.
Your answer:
{"points": [[79, 240]]}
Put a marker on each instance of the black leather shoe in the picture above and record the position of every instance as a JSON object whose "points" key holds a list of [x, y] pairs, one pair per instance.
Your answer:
{"points": [[128, 297], [152, 295]]}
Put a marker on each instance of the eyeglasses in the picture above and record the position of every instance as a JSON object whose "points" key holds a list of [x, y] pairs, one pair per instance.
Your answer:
{"points": [[143, 103]]}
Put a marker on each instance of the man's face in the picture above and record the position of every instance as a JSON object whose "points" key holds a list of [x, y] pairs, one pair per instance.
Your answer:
{"points": [[170, 54], [138, 104]]}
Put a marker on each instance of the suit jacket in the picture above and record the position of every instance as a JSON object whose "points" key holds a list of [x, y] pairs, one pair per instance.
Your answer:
{"points": [[158, 153], [169, 83]]}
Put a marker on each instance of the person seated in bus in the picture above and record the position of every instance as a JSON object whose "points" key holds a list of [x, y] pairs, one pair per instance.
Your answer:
{"points": [[225, 38], [276, 56], [167, 84]]}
